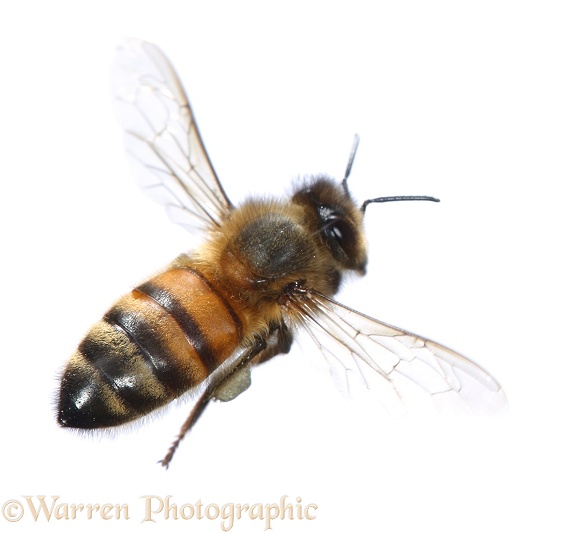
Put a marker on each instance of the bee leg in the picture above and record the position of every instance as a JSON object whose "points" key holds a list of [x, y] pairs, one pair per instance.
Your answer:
{"points": [[280, 342], [234, 385], [208, 394], [188, 424]]}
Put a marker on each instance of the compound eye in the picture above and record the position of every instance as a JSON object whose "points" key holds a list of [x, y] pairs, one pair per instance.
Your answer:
{"points": [[337, 233]]}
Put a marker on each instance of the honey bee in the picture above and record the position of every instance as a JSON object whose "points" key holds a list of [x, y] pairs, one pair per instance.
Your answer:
{"points": [[267, 270]]}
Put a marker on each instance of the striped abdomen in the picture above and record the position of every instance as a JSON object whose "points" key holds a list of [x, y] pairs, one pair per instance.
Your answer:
{"points": [[154, 344]]}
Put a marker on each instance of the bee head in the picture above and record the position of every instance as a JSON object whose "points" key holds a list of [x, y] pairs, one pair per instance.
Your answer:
{"points": [[336, 218]]}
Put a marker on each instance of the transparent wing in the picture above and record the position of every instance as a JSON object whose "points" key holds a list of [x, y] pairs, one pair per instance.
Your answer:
{"points": [[401, 368], [162, 137]]}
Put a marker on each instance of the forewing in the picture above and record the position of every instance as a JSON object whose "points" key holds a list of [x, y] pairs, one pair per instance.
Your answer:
{"points": [[162, 137], [401, 368]]}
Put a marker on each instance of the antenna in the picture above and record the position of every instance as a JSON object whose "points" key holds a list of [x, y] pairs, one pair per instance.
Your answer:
{"points": [[379, 199], [349, 164], [395, 199]]}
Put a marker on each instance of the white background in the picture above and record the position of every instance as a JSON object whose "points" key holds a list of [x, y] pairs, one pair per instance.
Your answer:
{"points": [[470, 102]]}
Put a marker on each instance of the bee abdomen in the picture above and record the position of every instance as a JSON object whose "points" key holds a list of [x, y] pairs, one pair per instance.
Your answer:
{"points": [[155, 343]]}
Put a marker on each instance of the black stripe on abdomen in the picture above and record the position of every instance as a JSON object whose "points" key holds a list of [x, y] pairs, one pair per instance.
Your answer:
{"points": [[152, 348], [185, 320]]}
